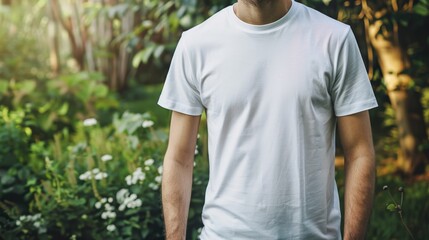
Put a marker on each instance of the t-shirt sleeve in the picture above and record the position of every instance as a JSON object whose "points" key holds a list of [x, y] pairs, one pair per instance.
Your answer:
{"points": [[181, 92], [351, 90]]}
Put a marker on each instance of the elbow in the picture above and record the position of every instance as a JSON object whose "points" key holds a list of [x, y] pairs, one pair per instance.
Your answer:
{"points": [[180, 156]]}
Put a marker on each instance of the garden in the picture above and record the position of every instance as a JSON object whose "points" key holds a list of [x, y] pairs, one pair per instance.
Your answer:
{"points": [[82, 139]]}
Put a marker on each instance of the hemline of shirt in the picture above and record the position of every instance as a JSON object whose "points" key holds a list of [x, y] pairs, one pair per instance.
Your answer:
{"points": [[179, 107], [196, 111]]}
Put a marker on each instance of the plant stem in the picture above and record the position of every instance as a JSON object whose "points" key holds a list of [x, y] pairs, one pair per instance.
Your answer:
{"points": [[405, 225]]}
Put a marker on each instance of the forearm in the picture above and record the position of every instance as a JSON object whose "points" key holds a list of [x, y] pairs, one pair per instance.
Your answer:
{"points": [[176, 194], [359, 193]]}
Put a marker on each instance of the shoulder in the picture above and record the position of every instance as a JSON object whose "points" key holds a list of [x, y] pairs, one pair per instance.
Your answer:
{"points": [[210, 27], [321, 24]]}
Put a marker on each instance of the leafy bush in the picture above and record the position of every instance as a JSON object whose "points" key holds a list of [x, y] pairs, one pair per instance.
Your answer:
{"points": [[100, 183]]}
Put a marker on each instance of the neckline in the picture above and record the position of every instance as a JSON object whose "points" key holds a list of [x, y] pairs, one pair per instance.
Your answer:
{"points": [[264, 28]]}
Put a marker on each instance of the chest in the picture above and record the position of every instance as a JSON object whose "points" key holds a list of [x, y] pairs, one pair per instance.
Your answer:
{"points": [[276, 74]]}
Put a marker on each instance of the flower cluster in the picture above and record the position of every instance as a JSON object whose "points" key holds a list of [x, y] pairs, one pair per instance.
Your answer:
{"points": [[108, 213], [149, 162], [127, 200], [106, 157], [136, 176], [36, 219], [147, 123], [89, 122], [96, 173], [111, 227], [155, 185]]}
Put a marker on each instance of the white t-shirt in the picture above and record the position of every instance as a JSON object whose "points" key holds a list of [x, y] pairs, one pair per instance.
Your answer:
{"points": [[271, 94]]}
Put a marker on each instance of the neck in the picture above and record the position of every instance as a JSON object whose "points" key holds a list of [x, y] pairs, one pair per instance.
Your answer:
{"points": [[259, 12]]}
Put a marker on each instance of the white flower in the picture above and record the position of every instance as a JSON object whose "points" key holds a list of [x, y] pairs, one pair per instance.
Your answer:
{"points": [[85, 176], [147, 123], [22, 218], [104, 215], [110, 199], [160, 169], [18, 223], [121, 207], [128, 179], [100, 175], [98, 205], [196, 151], [135, 176], [111, 227], [108, 207], [36, 224], [138, 202], [128, 201], [149, 162], [106, 157], [153, 186], [103, 200], [122, 194], [89, 122], [158, 179]]}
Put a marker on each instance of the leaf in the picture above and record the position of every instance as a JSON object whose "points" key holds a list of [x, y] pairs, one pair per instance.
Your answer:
{"points": [[421, 9], [26, 86], [4, 85], [63, 109], [186, 21], [158, 51], [6, 180], [77, 202], [391, 207], [118, 10], [101, 90]]}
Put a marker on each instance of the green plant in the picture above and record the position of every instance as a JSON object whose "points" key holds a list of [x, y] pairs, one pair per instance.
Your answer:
{"points": [[394, 206], [101, 182]]}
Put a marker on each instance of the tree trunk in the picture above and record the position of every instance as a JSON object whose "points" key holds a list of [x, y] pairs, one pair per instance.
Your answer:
{"points": [[405, 101], [53, 32]]}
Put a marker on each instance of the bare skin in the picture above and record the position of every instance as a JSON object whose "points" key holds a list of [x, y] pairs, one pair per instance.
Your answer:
{"points": [[355, 133], [359, 164], [260, 12], [177, 173]]}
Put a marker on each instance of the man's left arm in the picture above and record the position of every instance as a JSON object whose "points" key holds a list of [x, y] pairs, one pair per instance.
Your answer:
{"points": [[359, 166]]}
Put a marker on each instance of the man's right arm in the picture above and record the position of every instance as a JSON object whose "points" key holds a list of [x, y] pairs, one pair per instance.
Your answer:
{"points": [[177, 174]]}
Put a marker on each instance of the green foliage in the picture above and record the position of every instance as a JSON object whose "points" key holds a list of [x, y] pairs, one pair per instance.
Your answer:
{"points": [[84, 179], [386, 223], [59, 168], [23, 55]]}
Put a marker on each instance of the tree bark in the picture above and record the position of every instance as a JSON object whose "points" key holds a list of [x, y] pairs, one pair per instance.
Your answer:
{"points": [[394, 63], [53, 32]]}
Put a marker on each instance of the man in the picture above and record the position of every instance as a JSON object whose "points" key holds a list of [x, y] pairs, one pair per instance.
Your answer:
{"points": [[274, 78]]}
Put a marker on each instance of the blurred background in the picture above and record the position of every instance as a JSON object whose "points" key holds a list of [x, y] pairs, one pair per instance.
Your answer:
{"points": [[82, 139]]}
